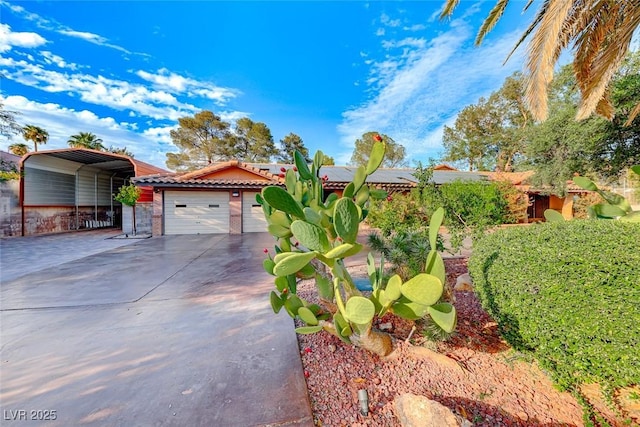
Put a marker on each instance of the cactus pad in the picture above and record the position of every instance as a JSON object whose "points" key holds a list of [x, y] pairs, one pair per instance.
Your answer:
{"points": [[359, 310], [307, 316], [423, 289], [308, 329], [443, 315], [278, 198], [310, 235], [293, 263], [346, 220]]}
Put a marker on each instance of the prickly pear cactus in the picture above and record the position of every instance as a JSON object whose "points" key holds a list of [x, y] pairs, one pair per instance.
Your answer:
{"points": [[314, 236], [615, 206]]}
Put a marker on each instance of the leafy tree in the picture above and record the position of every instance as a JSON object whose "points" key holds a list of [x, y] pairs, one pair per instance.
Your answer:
{"points": [[35, 134], [252, 142], [510, 103], [288, 145], [8, 125], [19, 149], [328, 161], [471, 139], [129, 195], [492, 133], [201, 139], [560, 147], [123, 151], [600, 33], [86, 140], [394, 154], [621, 149]]}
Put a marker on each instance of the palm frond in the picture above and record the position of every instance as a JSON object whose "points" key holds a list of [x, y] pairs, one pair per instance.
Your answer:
{"points": [[449, 7], [609, 58], [593, 25], [491, 21], [529, 30], [526, 6], [541, 52], [632, 115]]}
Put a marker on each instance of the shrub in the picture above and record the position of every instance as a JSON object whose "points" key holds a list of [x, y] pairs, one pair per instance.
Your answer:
{"points": [[582, 204], [406, 251], [399, 213], [569, 293]]}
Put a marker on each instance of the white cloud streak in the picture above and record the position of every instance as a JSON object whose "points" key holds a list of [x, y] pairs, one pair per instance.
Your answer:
{"points": [[174, 83], [425, 84], [52, 25]]}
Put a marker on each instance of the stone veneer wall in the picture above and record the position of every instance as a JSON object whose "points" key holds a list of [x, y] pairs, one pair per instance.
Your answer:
{"points": [[10, 213]]}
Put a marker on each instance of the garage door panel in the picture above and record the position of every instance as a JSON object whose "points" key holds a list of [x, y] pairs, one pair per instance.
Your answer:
{"points": [[195, 212], [253, 219]]}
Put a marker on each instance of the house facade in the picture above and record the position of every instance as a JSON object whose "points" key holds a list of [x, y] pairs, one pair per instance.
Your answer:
{"points": [[221, 198]]}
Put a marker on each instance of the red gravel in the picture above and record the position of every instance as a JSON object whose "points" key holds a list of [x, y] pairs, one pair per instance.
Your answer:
{"points": [[491, 386]]}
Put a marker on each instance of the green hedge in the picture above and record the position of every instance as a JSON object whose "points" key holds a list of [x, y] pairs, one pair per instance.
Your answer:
{"points": [[569, 293]]}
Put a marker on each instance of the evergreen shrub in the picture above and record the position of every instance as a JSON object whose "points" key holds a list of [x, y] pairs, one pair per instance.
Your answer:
{"points": [[569, 293]]}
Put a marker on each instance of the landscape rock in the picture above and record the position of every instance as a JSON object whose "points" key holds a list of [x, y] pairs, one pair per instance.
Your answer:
{"points": [[418, 411], [440, 359], [464, 283]]}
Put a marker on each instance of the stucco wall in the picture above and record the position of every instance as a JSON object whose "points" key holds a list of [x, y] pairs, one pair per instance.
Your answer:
{"points": [[144, 217]]}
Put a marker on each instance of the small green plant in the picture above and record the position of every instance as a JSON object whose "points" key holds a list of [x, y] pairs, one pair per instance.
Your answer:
{"points": [[129, 195], [314, 237], [405, 250]]}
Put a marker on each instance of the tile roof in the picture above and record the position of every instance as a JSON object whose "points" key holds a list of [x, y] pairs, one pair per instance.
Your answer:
{"points": [[338, 176]]}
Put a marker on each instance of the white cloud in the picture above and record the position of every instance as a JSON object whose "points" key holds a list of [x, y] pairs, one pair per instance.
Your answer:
{"points": [[51, 58], [9, 39], [177, 84], [90, 37], [52, 25], [407, 42], [425, 84], [415, 27], [117, 94], [61, 122]]}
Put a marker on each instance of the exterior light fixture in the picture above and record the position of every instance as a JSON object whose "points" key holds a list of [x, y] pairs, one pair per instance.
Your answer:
{"points": [[363, 398]]}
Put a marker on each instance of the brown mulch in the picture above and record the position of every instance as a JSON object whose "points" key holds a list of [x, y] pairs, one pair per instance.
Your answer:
{"points": [[482, 379]]}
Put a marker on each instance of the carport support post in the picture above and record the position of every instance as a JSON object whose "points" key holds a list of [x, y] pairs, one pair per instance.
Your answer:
{"points": [[95, 197]]}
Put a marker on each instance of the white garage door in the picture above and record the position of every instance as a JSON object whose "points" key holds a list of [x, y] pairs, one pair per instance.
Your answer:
{"points": [[252, 216], [196, 212]]}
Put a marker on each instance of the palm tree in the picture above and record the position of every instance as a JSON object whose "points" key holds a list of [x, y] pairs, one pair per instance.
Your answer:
{"points": [[600, 32], [86, 140], [19, 149], [35, 134]]}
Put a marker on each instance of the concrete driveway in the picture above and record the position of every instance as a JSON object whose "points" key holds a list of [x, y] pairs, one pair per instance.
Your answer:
{"points": [[175, 330]]}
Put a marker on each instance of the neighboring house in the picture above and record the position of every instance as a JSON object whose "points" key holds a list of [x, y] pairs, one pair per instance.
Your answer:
{"points": [[221, 198], [539, 198], [73, 188]]}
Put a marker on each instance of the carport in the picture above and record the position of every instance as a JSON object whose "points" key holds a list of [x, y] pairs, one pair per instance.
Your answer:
{"points": [[72, 189]]}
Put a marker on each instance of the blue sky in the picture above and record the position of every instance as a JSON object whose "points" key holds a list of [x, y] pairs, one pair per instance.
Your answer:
{"points": [[328, 71]]}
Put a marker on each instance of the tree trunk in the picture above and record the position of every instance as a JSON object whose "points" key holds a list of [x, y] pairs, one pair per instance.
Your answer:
{"points": [[374, 341], [134, 220]]}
